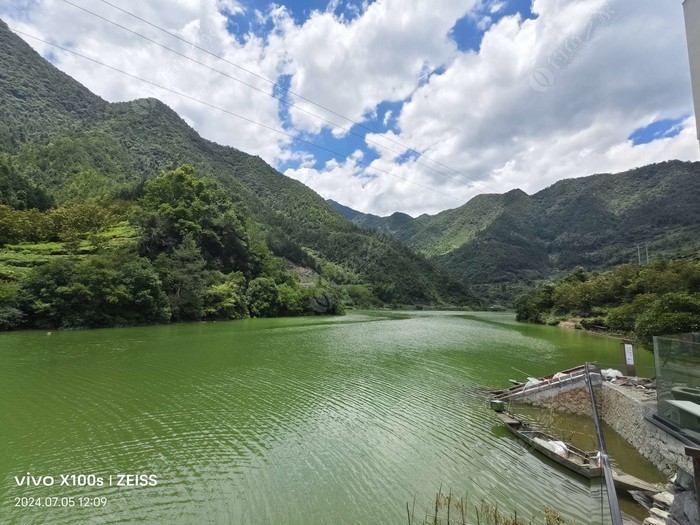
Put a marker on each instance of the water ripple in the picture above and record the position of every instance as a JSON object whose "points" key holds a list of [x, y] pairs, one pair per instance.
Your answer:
{"points": [[295, 421]]}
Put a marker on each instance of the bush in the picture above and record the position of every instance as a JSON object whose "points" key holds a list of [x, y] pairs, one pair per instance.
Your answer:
{"points": [[225, 297], [10, 317], [593, 322], [671, 313], [360, 295], [624, 318], [183, 280], [292, 300], [657, 299], [262, 297], [96, 292]]}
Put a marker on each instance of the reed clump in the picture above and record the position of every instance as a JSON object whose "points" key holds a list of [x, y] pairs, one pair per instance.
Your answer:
{"points": [[450, 509]]}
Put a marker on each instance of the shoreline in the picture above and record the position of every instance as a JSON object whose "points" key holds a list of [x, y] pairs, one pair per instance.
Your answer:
{"points": [[575, 324]]}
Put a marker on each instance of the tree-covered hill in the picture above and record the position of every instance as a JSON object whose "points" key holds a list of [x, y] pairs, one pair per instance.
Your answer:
{"points": [[73, 146], [595, 222], [637, 301], [38, 101]]}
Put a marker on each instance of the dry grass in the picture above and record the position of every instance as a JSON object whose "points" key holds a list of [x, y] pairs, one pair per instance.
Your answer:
{"points": [[454, 510]]}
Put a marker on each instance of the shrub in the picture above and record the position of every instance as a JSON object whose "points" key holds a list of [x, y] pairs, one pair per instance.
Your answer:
{"points": [[671, 313], [262, 297]]}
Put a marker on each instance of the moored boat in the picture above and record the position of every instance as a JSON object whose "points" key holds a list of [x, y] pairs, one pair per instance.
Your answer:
{"points": [[586, 464]]}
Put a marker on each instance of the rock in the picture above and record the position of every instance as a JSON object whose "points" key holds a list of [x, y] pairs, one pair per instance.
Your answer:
{"points": [[685, 509], [653, 521], [663, 499], [684, 480], [658, 513]]}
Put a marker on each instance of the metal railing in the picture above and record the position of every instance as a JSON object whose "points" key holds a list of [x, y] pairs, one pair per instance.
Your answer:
{"points": [[615, 513]]}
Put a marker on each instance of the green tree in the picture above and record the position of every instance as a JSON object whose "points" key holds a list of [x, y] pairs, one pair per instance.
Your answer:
{"points": [[666, 276], [533, 307], [180, 198], [95, 292], [76, 221], [360, 295], [262, 297], [177, 203], [292, 300], [623, 319], [671, 313], [26, 226], [17, 192], [225, 297], [182, 275], [9, 232], [10, 315]]}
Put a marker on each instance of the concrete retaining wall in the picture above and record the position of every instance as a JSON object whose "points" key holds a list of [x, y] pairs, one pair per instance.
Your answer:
{"points": [[625, 413]]}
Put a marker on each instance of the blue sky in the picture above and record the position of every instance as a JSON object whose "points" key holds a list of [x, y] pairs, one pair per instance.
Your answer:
{"points": [[444, 99], [247, 20], [467, 33], [382, 119], [302, 9], [470, 29], [657, 130]]}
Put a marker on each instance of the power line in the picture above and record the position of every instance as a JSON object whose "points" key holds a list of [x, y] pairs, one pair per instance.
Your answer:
{"points": [[218, 108], [405, 154], [289, 91], [271, 95]]}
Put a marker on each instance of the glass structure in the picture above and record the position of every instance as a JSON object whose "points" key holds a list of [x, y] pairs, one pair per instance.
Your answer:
{"points": [[678, 383]]}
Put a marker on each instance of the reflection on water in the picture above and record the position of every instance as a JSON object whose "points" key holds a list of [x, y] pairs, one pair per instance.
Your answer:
{"points": [[295, 421]]}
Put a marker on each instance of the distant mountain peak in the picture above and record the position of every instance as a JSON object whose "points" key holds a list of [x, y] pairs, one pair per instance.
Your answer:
{"points": [[591, 221]]}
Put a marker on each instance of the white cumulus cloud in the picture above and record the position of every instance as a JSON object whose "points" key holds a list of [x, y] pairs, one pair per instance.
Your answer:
{"points": [[543, 99]]}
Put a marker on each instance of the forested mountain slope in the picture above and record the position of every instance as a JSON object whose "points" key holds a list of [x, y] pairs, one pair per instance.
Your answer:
{"points": [[73, 146], [595, 221]]}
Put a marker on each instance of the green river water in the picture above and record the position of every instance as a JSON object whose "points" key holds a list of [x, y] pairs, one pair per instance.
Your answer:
{"points": [[308, 421]]}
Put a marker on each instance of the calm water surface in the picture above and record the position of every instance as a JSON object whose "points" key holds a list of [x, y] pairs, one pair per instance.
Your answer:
{"points": [[286, 421]]}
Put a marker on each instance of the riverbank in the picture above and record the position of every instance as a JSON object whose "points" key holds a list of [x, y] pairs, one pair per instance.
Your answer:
{"points": [[578, 323], [637, 301]]}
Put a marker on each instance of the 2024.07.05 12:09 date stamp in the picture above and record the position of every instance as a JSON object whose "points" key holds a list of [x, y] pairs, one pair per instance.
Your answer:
{"points": [[55, 501]]}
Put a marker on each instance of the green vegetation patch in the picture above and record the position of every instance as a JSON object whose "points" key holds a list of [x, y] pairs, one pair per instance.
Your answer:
{"points": [[182, 252], [637, 301]]}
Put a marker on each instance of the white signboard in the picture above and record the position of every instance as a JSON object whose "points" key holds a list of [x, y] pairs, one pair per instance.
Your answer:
{"points": [[629, 354]]}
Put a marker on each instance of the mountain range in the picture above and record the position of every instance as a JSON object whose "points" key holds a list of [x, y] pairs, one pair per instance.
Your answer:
{"points": [[597, 222]]}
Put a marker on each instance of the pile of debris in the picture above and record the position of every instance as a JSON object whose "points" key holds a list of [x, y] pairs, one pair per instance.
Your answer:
{"points": [[644, 386], [675, 506]]}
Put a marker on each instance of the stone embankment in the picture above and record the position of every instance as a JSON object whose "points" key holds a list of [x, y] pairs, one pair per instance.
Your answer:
{"points": [[625, 409], [568, 395]]}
